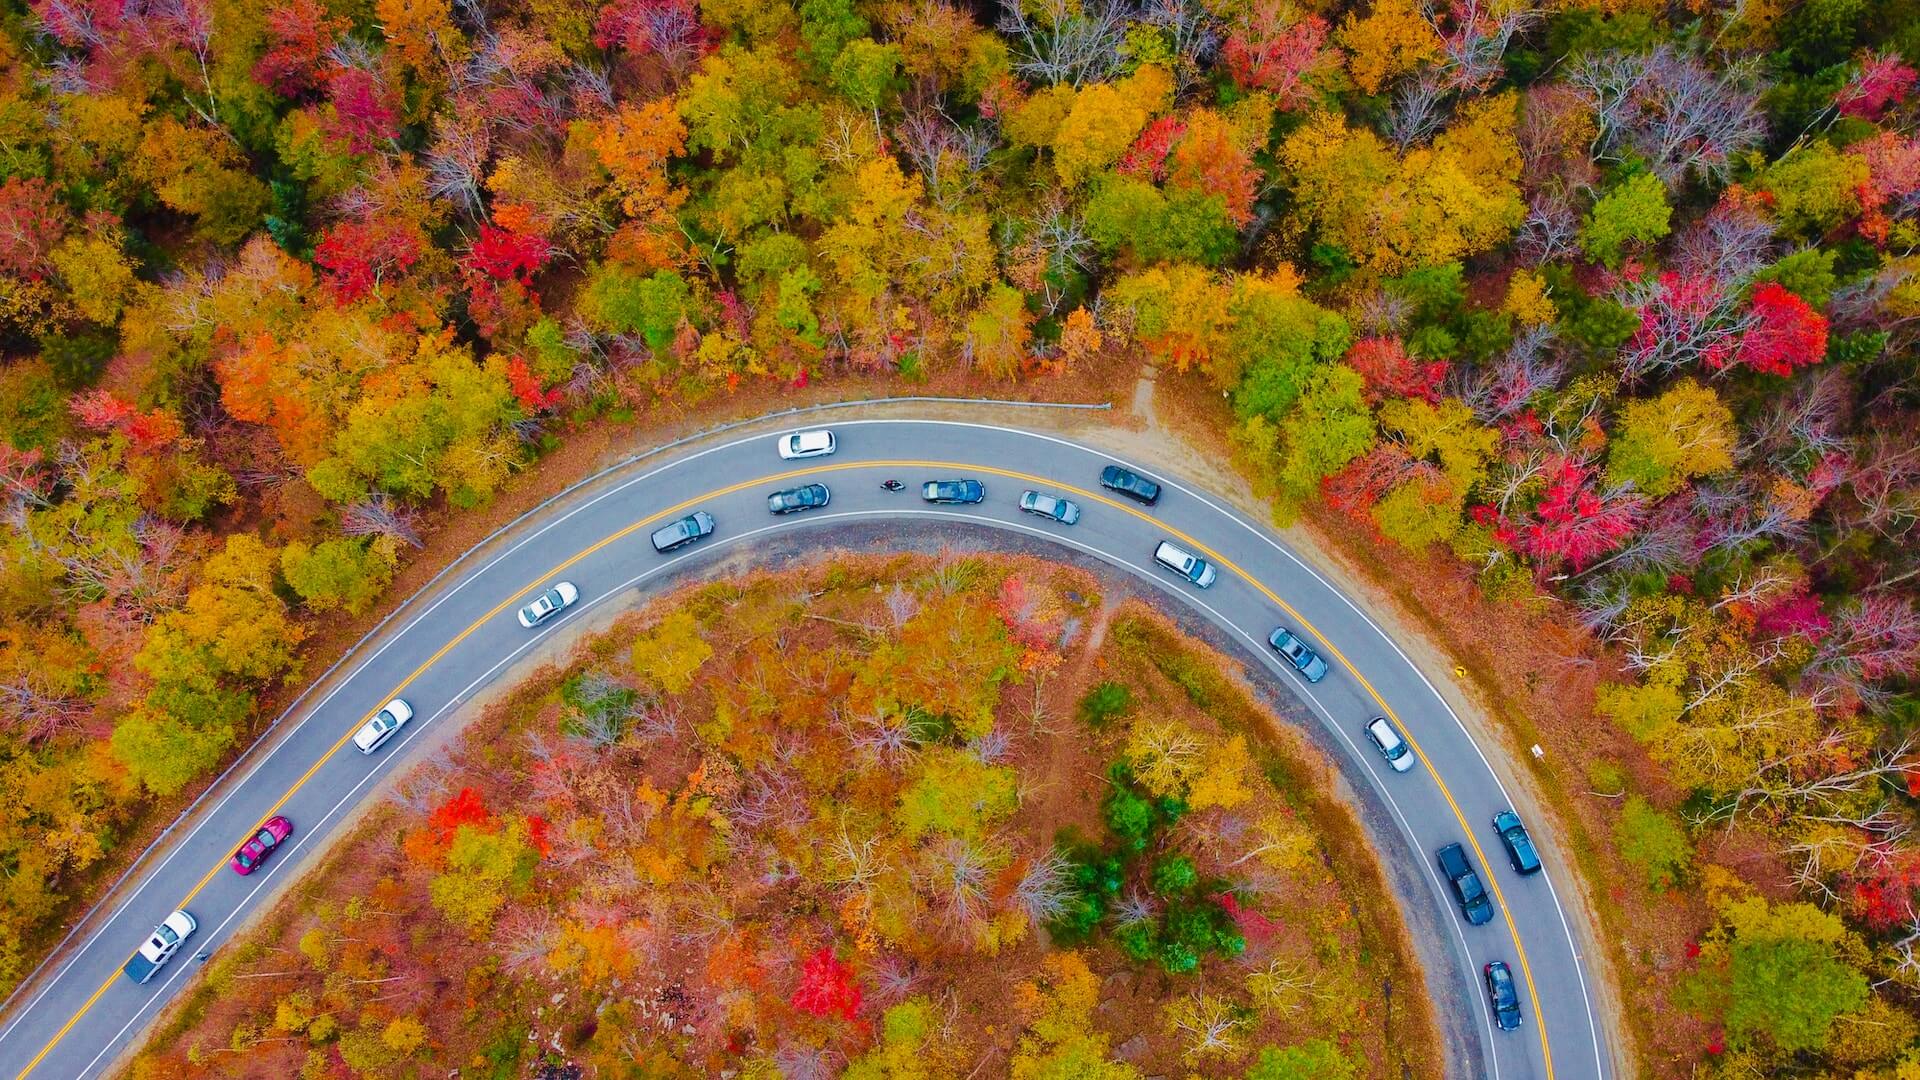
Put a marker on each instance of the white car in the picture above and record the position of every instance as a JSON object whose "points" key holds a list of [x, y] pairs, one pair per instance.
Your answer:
{"points": [[1187, 565], [375, 732], [1391, 746], [805, 444], [548, 604], [160, 946]]}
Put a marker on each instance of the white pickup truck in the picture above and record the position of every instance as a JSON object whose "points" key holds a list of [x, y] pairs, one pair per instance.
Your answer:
{"points": [[160, 946]]}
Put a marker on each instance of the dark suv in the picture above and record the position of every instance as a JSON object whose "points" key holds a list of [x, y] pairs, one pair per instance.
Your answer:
{"points": [[1466, 885], [1138, 488]]}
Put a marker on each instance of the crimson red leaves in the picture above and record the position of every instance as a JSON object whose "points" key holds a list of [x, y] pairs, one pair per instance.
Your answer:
{"points": [[827, 987]]}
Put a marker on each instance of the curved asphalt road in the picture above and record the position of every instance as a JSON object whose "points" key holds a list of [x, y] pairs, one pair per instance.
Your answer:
{"points": [[456, 640]]}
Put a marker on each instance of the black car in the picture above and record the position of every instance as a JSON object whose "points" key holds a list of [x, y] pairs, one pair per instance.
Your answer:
{"points": [[1466, 885], [1500, 992], [685, 531], [805, 497], [1513, 837], [953, 491], [1138, 488]]}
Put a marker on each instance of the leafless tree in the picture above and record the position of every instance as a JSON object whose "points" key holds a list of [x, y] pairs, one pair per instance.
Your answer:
{"points": [[1419, 109], [379, 515], [1192, 32], [1475, 38], [1671, 109], [1063, 41], [34, 712], [1045, 887], [1809, 421], [1503, 388], [957, 879], [1729, 244]]}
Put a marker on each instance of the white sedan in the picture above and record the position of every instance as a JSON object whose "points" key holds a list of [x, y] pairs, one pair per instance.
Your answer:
{"points": [[375, 732], [548, 604], [806, 444]]}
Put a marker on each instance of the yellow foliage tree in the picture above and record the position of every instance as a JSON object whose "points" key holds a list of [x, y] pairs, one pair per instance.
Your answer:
{"points": [[1104, 121], [671, 653], [1438, 204], [1393, 38]]}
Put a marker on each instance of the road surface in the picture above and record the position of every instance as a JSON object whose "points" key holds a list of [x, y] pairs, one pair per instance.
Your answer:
{"points": [[459, 636]]}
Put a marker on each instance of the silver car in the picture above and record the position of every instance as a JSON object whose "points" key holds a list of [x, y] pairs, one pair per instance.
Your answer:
{"points": [[1064, 511]]}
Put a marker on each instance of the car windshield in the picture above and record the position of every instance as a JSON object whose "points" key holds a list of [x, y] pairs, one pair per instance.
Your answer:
{"points": [[266, 837], [165, 935]]}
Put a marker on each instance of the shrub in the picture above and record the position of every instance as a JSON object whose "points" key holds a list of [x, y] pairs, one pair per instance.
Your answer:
{"points": [[1104, 702], [1654, 842]]}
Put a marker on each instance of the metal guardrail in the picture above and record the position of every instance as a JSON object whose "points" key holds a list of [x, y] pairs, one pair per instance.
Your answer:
{"points": [[353, 650]]}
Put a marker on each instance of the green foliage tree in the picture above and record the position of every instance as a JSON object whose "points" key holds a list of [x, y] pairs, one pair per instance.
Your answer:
{"points": [[1330, 426], [1654, 842], [1780, 973], [345, 573], [1633, 214]]}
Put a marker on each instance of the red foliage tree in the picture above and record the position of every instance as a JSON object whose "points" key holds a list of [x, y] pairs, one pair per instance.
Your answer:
{"points": [[1571, 523], [827, 987], [100, 410], [1147, 157], [32, 221], [1786, 333], [1795, 613], [1253, 925], [468, 807], [505, 255], [364, 113], [300, 33], [1882, 80], [1390, 371], [537, 835], [527, 389], [1883, 900], [360, 255], [1272, 47]]}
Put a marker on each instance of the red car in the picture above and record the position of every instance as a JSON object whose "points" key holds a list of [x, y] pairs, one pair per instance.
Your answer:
{"points": [[254, 851]]}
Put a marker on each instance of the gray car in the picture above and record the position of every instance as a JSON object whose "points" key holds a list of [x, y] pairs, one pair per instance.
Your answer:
{"points": [[1064, 511], [685, 531], [1304, 660]]}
